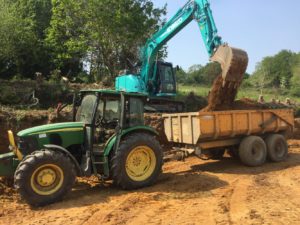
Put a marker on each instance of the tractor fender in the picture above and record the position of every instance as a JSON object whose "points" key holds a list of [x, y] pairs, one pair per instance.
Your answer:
{"points": [[66, 152], [111, 142]]}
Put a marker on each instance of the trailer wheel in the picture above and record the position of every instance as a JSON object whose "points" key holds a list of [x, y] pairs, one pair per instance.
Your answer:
{"points": [[253, 151], [277, 147], [138, 161], [44, 177]]}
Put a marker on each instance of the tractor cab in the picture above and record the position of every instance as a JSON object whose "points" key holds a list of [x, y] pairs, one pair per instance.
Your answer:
{"points": [[104, 113]]}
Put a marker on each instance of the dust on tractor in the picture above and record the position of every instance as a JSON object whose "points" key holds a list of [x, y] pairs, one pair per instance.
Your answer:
{"points": [[108, 139]]}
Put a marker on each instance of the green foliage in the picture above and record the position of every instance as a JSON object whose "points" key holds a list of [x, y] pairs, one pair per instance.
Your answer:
{"points": [[22, 24], [197, 74], [275, 71], [19, 93], [67, 34], [104, 33], [295, 81], [44, 35]]}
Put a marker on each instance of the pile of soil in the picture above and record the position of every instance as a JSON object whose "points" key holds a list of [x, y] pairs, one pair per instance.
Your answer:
{"points": [[246, 104], [296, 133], [193, 102], [220, 96], [6, 187], [223, 98], [156, 121], [17, 120]]}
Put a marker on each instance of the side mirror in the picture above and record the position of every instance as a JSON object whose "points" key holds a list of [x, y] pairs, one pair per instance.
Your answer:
{"points": [[177, 68]]}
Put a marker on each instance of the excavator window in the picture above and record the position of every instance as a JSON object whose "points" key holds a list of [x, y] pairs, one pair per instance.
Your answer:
{"points": [[167, 78]]}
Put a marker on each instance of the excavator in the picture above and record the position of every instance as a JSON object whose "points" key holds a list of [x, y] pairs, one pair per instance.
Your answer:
{"points": [[157, 78]]}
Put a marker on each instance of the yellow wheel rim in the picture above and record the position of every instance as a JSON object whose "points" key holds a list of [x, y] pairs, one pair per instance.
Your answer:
{"points": [[140, 163], [47, 179]]}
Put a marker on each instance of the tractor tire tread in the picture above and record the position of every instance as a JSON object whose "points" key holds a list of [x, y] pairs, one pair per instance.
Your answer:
{"points": [[117, 161], [22, 175]]}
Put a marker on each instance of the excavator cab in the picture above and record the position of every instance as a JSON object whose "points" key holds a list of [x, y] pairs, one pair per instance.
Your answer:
{"points": [[166, 79]]}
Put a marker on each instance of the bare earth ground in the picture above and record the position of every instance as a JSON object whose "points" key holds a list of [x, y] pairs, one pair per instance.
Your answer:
{"points": [[190, 192]]}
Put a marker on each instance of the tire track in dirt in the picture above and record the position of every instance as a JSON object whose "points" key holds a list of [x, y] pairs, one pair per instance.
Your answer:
{"points": [[190, 192]]}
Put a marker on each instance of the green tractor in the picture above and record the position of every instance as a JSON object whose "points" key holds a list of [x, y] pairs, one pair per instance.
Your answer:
{"points": [[108, 139]]}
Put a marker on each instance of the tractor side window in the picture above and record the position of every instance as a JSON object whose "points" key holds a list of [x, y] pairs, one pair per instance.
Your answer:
{"points": [[136, 112], [111, 110]]}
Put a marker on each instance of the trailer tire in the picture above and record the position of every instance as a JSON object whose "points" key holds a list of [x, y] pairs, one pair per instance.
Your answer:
{"points": [[44, 177], [138, 161], [277, 147], [253, 151]]}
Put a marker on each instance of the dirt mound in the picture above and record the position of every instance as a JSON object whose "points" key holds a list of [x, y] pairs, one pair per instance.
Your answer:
{"points": [[156, 121], [246, 104], [17, 120], [226, 190], [220, 96], [296, 133], [6, 186], [193, 102]]}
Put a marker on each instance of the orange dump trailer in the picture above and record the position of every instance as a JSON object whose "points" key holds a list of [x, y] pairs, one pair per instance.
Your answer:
{"points": [[252, 135]]}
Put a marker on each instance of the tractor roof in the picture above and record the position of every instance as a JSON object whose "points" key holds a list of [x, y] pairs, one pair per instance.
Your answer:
{"points": [[113, 92]]}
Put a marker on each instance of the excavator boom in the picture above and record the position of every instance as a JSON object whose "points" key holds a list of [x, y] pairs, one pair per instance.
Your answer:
{"points": [[233, 61]]}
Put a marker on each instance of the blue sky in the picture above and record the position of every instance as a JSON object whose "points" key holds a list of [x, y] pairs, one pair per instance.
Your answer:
{"points": [[261, 27]]}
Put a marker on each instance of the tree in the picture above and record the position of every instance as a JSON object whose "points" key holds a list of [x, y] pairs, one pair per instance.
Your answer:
{"points": [[273, 70], [23, 24], [295, 80], [17, 42], [104, 33], [67, 36]]}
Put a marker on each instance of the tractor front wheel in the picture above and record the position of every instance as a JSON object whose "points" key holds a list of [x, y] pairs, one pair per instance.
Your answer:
{"points": [[138, 161], [44, 177]]}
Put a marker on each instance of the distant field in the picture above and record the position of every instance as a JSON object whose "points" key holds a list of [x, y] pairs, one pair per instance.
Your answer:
{"points": [[243, 93]]}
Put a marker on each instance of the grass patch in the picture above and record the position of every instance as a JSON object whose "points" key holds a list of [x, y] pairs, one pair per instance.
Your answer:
{"points": [[251, 93]]}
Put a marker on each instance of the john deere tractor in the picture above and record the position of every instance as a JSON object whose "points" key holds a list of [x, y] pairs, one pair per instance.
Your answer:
{"points": [[108, 139]]}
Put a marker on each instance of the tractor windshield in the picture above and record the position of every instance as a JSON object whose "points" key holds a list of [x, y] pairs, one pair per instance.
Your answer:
{"points": [[85, 110]]}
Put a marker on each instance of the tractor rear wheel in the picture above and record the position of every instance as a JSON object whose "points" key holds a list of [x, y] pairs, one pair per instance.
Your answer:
{"points": [[44, 177], [277, 147], [253, 151], [138, 161]]}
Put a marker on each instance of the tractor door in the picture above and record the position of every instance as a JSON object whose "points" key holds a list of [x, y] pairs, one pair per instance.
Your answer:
{"points": [[134, 111], [107, 119]]}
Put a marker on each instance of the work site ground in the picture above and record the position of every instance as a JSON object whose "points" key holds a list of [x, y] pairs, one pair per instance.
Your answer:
{"points": [[190, 192]]}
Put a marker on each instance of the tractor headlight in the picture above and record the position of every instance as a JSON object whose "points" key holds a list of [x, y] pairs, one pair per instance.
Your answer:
{"points": [[13, 146]]}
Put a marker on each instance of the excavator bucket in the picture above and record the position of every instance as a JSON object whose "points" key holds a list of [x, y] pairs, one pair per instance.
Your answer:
{"points": [[233, 62]]}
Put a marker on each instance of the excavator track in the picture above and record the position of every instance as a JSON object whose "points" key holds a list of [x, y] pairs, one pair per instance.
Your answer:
{"points": [[234, 63]]}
